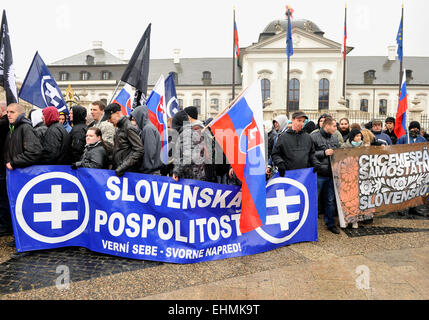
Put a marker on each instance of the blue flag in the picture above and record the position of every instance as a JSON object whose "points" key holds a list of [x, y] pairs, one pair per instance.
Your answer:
{"points": [[399, 40], [171, 96], [289, 44], [40, 88]]}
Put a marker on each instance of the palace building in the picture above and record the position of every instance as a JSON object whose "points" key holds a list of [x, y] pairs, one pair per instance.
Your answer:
{"points": [[316, 76]]}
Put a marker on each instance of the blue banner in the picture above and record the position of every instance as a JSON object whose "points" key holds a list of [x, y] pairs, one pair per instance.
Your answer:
{"points": [[150, 217]]}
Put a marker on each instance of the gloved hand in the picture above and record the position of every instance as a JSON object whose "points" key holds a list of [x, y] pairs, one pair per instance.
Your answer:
{"points": [[73, 166], [119, 172], [282, 169]]}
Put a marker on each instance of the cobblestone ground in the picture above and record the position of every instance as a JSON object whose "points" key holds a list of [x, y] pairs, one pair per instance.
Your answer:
{"points": [[395, 246]]}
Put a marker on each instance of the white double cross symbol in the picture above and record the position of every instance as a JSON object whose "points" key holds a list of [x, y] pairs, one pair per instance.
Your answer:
{"points": [[56, 198], [281, 202]]}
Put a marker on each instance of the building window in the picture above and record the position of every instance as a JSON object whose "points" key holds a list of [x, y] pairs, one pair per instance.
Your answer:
{"points": [[64, 76], [348, 103], [180, 102], [294, 95], [207, 75], [105, 75], [197, 103], [84, 75], [323, 94], [104, 100], [383, 107], [215, 104], [364, 105], [266, 89]]}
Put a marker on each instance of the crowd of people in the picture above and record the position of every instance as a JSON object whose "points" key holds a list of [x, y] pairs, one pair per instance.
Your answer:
{"points": [[131, 143]]}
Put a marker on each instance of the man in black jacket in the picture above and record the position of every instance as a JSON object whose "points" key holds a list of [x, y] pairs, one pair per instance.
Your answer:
{"points": [[127, 148], [56, 140], [324, 143], [77, 134], [294, 149], [22, 147]]}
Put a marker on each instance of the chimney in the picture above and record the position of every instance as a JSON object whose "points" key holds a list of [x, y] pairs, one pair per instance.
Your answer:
{"points": [[97, 44], [121, 53], [391, 55], [176, 56]]}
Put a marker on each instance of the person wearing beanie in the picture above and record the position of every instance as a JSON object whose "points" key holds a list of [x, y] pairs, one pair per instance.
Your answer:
{"points": [[390, 129], [192, 112], [355, 139], [413, 134]]}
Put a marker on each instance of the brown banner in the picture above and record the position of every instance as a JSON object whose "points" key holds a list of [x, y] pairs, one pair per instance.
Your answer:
{"points": [[377, 180]]}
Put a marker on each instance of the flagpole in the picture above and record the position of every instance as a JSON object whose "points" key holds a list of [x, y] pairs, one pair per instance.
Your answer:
{"points": [[345, 53], [114, 92], [288, 62], [233, 56]]}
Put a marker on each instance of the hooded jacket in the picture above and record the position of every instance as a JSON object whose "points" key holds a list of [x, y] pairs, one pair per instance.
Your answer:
{"points": [[191, 152], [78, 134], [56, 141], [40, 128], [151, 140], [22, 147]]}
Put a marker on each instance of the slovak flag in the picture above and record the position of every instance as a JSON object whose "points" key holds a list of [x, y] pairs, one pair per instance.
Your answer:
{"points": [[236, 45], [125, 99], [158, 114], [401, 115], [239, 131]]}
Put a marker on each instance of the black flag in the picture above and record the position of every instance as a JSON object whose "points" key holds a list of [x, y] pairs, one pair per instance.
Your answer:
{"points": [[7, 69], [137, 72]]}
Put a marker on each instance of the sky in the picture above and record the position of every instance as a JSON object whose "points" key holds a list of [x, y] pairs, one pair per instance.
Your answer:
{"points": [[200, 28]]}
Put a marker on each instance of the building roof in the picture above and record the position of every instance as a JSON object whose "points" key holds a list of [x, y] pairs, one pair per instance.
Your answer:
{"points": [[386, 71], [100, 57], [189, 70]]}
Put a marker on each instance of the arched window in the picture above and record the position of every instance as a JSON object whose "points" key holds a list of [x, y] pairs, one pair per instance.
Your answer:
{"points": [[323, 94], [294, 95], [364, 105], [266, 89], [382, 107]]}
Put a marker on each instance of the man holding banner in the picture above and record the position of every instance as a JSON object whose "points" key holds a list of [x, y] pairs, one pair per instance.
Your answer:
{"points": [[22, 147], [127, 149]]}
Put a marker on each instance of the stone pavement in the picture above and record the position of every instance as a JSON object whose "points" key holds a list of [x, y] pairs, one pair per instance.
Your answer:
{"points": [[386, 260]]}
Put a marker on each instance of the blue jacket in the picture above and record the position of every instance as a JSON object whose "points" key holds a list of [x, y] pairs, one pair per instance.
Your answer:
{"points": [[382, 138], [404, 140]]}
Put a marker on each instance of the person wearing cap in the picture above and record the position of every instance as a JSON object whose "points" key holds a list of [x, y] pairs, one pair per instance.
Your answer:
{"points": [[389, 124], [127, 145], [325, 142], [191, 151], [413, 135], [376, 129], [294, 149]]}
